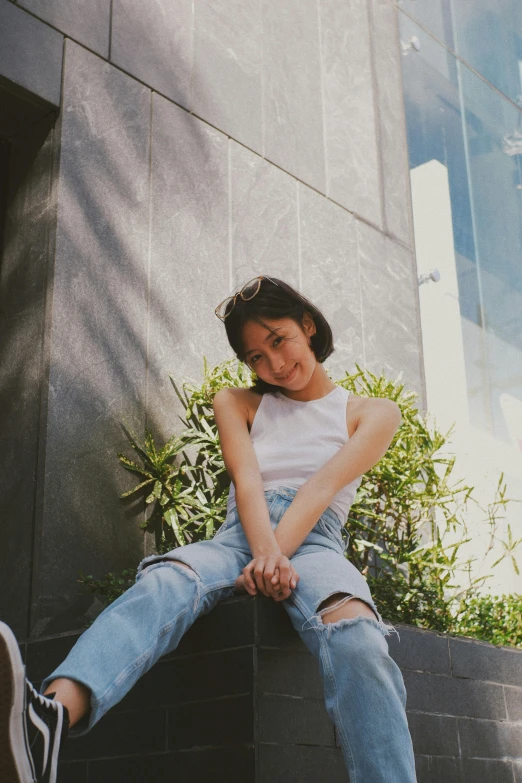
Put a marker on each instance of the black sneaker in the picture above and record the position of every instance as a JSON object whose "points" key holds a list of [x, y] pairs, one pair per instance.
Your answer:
{"points": [[32, 726]]}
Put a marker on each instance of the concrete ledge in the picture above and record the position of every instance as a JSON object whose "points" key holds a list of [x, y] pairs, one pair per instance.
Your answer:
{"points": [[242, 694]]}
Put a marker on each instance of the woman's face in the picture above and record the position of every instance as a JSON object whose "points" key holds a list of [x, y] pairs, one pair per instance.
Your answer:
{"points": [[283, 356]]}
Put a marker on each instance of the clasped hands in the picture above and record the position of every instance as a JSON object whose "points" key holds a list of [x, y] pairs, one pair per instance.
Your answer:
{"points": [[272, 574]]}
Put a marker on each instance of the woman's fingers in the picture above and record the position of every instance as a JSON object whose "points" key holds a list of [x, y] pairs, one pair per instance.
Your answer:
{"points": [[268, 574], [280, 581], [240, 584], [255, 575], [284, 594], [249, 580], [282, 587], [259, 574], [284, 571], [272, 575], [250, 585]]}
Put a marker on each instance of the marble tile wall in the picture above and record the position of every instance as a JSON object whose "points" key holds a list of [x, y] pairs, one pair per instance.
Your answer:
{"points": [[30, 54], [27, 258], [203, 143], [97, 366], [87, 21], [189, 255]]}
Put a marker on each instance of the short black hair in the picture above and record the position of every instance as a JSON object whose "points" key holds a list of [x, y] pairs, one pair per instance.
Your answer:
{"points": [[277, 300]]}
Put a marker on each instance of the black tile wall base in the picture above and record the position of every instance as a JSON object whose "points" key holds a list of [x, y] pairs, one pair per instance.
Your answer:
{"points": [[241, 700]]}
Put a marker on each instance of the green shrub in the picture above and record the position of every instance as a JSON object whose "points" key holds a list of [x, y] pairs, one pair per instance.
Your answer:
{"points": [[493, 618], [111, 586], [411, 556], [408, 521]]}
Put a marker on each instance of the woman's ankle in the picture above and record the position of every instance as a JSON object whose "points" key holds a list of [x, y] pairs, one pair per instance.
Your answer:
{"points": [[72, 694]]}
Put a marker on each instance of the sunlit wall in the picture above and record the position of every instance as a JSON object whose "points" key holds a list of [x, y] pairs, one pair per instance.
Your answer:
{"points": [[462, 81]]}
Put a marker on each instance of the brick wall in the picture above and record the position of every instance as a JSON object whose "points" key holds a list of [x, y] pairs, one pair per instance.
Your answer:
{"points": [[241, 700]]}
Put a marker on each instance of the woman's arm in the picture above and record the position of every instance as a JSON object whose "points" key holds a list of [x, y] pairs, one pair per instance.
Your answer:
{"points": [[241, 463], [376, 422], [240, 459]]}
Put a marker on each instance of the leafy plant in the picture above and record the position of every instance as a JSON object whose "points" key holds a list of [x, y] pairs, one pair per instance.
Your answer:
{"points": [[493, 618], [408, 522], [188, 497], [112, 585], [407, 525]]}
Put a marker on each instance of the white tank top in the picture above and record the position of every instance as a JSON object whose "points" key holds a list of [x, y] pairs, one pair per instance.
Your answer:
{"points": [[293, 439]]}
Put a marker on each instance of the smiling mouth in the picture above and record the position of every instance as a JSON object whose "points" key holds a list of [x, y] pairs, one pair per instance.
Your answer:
{"points": [[286, 377]]}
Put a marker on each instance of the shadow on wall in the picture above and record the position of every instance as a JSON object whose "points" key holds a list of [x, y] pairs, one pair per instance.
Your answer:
{"points": [[91, 317]]}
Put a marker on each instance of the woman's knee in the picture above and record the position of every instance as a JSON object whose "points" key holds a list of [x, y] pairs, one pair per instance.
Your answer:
{"points": [[165, 569], [341, 606], [351, 624]]}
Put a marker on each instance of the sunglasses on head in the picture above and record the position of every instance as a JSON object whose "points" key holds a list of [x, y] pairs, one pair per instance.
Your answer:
{"points": [[247, 292]]}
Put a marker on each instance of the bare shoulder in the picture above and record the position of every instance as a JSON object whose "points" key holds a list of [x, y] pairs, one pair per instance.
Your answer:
{"points": [[244, 400], [228, 397], [359, 407]]}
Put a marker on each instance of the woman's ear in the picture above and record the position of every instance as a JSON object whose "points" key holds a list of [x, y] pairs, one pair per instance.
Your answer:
{"points": [[309, 324]]}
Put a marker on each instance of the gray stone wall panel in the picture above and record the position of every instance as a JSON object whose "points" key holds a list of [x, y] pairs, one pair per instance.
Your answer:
{"points": [[288, 673], [227, 71], [482, 661], [98, 342], [330, 274], [489, 739], [292, 90], [30, 53], [309, 763], [451, 696], [21, 359], [486, 771], [189, 264], [435, 769], [420, 650], [153, 41], [275, 629], [87, 21], [514, 701], [392, 124], [264, 220], [433, 735], [284, 720], [24, 292], [388, 294], [352, 159]]}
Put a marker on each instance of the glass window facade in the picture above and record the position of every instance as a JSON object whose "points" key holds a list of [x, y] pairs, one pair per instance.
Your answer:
{"points": [[487, 34], [462, 81], [458, 119]]}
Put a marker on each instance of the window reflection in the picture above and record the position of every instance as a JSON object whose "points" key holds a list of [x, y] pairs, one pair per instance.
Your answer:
{"points": [[456, 118], [465, 151], [486, 34]]}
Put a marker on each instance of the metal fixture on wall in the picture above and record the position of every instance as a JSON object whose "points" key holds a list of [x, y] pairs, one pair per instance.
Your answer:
{"points": [[413, 45], [428, 277]]}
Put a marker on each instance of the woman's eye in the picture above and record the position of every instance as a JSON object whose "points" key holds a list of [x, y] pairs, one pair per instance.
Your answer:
{"points": [[253, 359]]}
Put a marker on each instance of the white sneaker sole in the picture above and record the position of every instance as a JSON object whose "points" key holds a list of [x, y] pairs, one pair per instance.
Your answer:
{"points": [[15, 758]]}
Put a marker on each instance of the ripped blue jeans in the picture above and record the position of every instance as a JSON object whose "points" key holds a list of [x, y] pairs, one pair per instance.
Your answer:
{"points": [[363, 687]]}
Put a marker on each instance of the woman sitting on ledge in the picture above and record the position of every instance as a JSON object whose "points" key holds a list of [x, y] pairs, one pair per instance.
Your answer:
{"points": [[295, 446]]}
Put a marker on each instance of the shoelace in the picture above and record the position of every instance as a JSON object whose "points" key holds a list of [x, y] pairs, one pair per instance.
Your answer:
{"points": [[45, 701]]}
